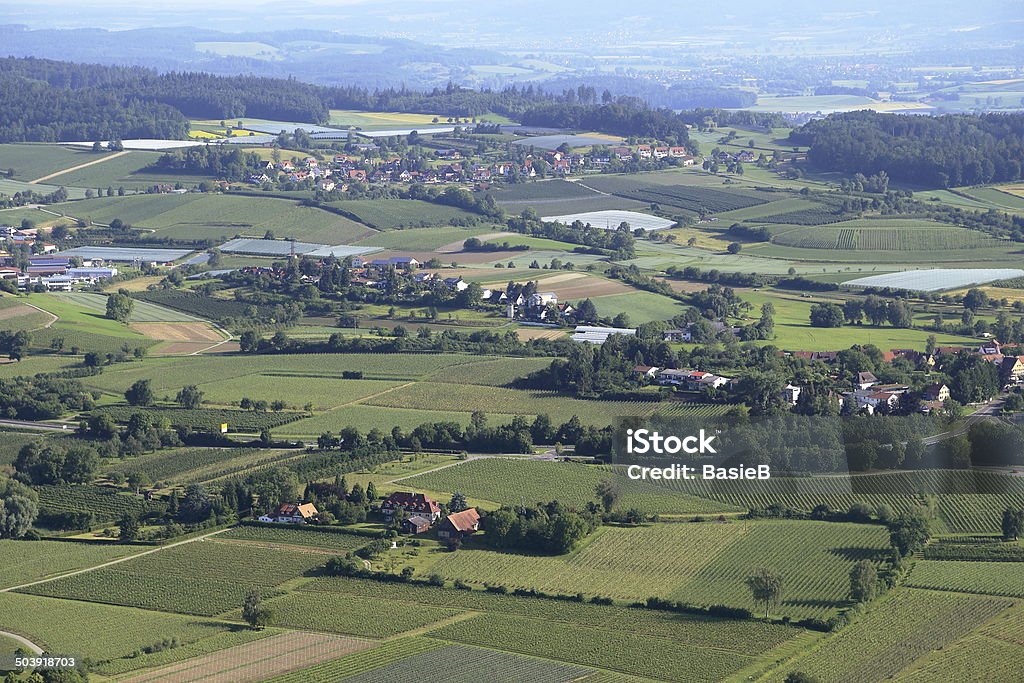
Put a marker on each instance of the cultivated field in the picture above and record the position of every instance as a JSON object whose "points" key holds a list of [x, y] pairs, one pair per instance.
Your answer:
{"points": [[256, 661], [903, 626], [21, 563], [219, 217], [813, 557]]}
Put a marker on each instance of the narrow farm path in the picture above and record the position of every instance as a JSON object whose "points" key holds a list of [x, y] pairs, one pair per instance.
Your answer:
{"points": [[52, 320], [75, 168], [113, 562], [24, 641]]}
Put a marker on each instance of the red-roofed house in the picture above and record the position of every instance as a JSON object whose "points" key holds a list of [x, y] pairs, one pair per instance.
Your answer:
{"points": [[456, 526], [413, 503]]}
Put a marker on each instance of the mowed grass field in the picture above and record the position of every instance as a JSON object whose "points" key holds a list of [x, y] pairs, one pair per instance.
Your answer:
{"points": [[510, 482], [31, 161], [142, 311], [397, 389], [793, 330], [219, 217]]}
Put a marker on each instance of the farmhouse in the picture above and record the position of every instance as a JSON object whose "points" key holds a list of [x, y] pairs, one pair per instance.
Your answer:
{"points": [[865, 380], [935, 392], [678, 335], [645, 371], [291, 513], [461, 524], [417, 524], [413, 503]]}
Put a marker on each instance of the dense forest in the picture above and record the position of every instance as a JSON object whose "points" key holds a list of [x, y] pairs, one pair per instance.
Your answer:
{"points": [[50, 101], [943, 151]]}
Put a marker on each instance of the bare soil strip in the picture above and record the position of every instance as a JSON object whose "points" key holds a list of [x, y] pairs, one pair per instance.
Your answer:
{"points": [[179, 332], [258, 660]]}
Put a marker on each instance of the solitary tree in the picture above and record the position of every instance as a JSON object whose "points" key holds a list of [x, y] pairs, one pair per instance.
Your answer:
{"points": [[128, 527], [765, 587], [910, 531], [255, 613], [799, 677], [1013, 524], [190, 397], [863, 581], [119, 306], [608, 492], [140, 393], [458, 502]]}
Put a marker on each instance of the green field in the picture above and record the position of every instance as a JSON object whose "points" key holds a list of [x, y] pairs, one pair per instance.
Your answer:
{"points": [[641, 307], [900, 628], [107, 504], [985, 578], [421, 239], [35, 161], [353, 615], [203, 578], [708, 566], [615, 639], [219, 217], [142, 311], [101, 632], [386, 654], [620, 651], [312, 537], [992, 652], [84, 328], [793, 330], [403, 213], [464, 664], [509, 482], [24, 561]]}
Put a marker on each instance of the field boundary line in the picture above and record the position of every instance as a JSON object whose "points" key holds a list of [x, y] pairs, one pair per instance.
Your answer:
{"points": [[78, 167], [112, 562]]}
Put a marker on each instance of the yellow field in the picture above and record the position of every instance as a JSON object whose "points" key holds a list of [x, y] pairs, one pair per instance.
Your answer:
{"points": [[203, 134], [603, 136], [1007, 293], [351, 117], [1016, 189]]}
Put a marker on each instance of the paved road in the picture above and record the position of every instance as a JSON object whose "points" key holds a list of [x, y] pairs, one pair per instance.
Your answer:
{"points": [[990, 410], [38, 426], [24, 641], [119, 560]]}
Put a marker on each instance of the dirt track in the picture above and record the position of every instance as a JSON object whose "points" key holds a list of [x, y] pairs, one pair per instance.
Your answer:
{"points": [[75, 168]]}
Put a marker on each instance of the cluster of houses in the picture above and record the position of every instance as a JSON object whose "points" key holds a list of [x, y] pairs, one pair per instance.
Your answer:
{"points": [[419, 514], [363, 165], [646, 152], [688, 380]]}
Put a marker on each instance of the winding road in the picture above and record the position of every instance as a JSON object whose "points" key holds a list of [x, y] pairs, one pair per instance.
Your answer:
{"points": [[35, 649]]}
